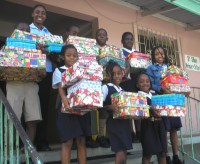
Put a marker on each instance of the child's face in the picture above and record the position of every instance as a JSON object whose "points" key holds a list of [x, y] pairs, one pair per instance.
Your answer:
{"points": [[23, 27], [159, 56], [144, 83], [128, 42], [39, 15], [117, 75], [101, 37], [71, 57], [74, 31]]}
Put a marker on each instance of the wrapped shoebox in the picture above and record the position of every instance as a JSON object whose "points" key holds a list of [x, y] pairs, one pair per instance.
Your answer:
{"points": [[18, 34], [173, 79], [139, 60], [86, 57], [22, 65], [131, 105], [129, 99], [84, 45], [49, 38], [110, 50], [75, 111], [179, 88], [30, 44], [90, 70], [168, 99], [132, 112], [85, 93], [171, 111]]}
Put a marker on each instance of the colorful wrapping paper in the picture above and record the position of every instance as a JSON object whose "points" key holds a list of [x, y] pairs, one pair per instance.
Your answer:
{"points": [[171, 111], [17, 49], [22, 66], [132, 113], [179, 88], [29, 44], [49, 39], [86, 57], [85, 93], [51, 47], [18, 34], [84, 45], [139, 60], [173, 70], [82, 70], [110, 50], [129, 99], [173, 79], [168, 99]]}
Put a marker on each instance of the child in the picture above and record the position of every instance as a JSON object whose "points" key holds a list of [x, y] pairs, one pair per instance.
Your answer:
{"points": [[153, 135], [129, 85], [70, 126], [172, 124], [25, 94], [102, 38], [71, 30], [119, 130]]}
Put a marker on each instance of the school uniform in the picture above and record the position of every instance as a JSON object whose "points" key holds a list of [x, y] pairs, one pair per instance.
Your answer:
{"points": [[154, 72], [153, 134], [119, 130], [69, 126]]}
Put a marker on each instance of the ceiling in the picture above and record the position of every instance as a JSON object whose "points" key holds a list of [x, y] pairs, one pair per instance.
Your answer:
{"points": [[151, 7]]}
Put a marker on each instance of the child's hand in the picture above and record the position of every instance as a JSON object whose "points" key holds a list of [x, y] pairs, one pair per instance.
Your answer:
{"points": [[154, 112], [42, 48], [115, 109], [166, 90], [66, 103]]}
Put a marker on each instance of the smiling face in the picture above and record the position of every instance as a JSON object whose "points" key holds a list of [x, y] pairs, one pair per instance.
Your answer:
{"points": [[70, 57], [117, 75], [144, 83], [101, 37], [128, 42], [159, 56], [39, 15]]}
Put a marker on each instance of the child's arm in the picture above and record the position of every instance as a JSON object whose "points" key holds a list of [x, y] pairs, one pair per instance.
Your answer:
{"points": [[154, 112], [112, 108], [64, 98]]}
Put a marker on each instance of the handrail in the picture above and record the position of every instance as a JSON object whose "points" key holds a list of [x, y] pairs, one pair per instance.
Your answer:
{"points": [[193, 98], [26, 141]]}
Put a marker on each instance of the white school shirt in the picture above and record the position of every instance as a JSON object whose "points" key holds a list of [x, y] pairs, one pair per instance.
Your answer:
{"points": [[57, 77]]}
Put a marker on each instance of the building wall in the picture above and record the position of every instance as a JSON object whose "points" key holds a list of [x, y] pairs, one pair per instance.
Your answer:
{"points": [[117, 19]]}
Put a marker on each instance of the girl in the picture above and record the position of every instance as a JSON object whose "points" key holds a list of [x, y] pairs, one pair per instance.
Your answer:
{"points": [[119, 130], [127, 41], [153, 135], [39, 15], [172, 124], [70, 126]]}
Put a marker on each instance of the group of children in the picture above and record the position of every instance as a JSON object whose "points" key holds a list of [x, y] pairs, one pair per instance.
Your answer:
{"points": [[153, 130]]}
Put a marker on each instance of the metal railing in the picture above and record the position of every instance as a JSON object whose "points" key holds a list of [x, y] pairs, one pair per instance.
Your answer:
{"points": [[11, 131], [190, 133]]}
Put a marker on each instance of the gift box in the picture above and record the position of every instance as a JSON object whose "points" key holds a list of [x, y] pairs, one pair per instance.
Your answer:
{"points": [[139, 60], [22, 66], [173, 79], [168, 99], [86, 57], [84, 45], [85, 93], [179, 88], [132, 113], [90, 70], [14, 49], [51, 47], [75, 111], [103, 60], [129, 99], [110, 50], [173, 70], [29, 44], [18, 34], [171, 111], [49, 38]]}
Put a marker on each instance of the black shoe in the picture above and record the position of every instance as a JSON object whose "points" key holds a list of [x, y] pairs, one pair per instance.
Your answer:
{"points": [[92, 144], [43, 148], [176, 160], [103, 142], [168, 160]]}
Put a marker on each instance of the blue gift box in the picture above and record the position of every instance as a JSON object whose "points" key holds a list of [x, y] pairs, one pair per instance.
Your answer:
{"points": [[51, 47], [30, 44], [168, 99]]}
